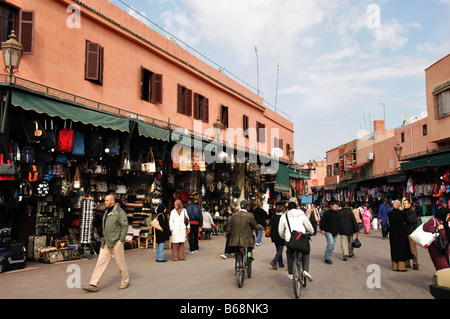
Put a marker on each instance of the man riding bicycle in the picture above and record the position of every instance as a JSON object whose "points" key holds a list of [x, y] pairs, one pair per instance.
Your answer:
{"points": [[241, 226], [299, 222]]}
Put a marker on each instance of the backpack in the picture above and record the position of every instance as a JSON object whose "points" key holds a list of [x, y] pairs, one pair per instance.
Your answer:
{"points": [[7, 168], [436, 190], [113, 146], [78, 144], [51, 140], [65, 140], [94, 147], [28, 155], [25, 189], [32, 173], [446, 177]]}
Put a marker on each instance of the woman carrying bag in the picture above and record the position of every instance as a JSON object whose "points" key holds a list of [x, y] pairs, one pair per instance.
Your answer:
{"points": [[162, 232]]}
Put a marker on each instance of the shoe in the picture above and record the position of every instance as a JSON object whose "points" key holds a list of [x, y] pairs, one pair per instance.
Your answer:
{"points": [[192, 252], [281, 266], [250, 256], [415, 267], [344, 258], [258, 244], [351, 256], [274, 266], [290, 276], [123, 286], [329, 262], [195, 251], [161, 261], [223, 256], [91, 288], [308, 276]]}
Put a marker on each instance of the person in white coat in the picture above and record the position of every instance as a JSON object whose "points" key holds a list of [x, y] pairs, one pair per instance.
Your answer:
{"points": [[299, 222], [179, 229]]}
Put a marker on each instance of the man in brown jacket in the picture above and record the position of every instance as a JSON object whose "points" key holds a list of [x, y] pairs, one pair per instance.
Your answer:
{"points": [[241, 226]]}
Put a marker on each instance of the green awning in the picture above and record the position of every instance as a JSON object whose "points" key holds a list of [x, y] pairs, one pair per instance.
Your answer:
{"points": [[293, 173], [282, 181], [440, 159], [153, 131], [66, 111]]}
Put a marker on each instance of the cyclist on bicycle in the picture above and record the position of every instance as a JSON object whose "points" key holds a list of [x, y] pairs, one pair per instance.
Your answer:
{"points": [[241, 226], [299, 222]]}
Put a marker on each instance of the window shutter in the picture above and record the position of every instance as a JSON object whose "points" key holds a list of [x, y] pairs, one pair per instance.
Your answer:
{"points": [[225, 116], [92, 61], [245, 125], [196, 106], [100, 65], [142, 83], [280, 143], [180, 105], [26, 37], [157, 87], [188, 103], [205, 110]]}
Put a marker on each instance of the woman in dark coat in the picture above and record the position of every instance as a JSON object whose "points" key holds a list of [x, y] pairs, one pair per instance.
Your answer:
{"points": [[276, 239], [398, 239], [164, 235], [440, 260]]}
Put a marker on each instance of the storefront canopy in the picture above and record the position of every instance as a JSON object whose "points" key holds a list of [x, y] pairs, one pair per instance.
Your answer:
{"points": [[66, 111], [153, 131], [282, 181], [439, 159]]}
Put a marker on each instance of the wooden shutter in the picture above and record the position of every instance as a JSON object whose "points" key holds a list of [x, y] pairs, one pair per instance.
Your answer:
{"points": [[188, 102], [196, 98], [92, 61], [245, 125], [205, 110], [157, 87], [180, 104], [224, 116], [142, 83], [26, 32], [260, 132], [280, 143]]}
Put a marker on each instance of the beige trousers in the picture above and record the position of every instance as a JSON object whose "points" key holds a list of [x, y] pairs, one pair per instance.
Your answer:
{"points": [[415, 256], [177, 251], [346, 245], [103, 260]]}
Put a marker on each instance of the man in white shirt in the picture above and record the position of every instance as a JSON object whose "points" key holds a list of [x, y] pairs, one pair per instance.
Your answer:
{"points": [[299, 222]]}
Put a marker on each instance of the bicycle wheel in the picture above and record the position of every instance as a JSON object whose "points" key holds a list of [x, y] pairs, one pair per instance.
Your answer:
{"points": [[240, 272], [296, 280], [249, 269]]}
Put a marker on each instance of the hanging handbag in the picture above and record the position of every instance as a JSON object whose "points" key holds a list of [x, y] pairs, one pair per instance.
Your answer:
{"points": [[298, 241], [186, 219], [65, 140], [77, 179], [78, 144], [50, 142], [149, 166], [121, 189], [136, 166], [155, 223], [268, 231], [441, 242]]}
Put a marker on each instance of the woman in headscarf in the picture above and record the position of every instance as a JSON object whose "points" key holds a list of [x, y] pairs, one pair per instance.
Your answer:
{"points": [[398, 239], [366, 218], [179, 228], [440, 221]]}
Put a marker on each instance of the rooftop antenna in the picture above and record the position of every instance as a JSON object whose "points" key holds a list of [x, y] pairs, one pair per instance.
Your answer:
{"points": [[257, 70]]}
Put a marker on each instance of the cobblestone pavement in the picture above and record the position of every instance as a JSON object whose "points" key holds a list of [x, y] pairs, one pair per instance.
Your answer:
{"points": [[205, 275]]}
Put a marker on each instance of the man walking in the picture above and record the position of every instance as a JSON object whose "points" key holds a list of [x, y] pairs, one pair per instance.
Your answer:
{"points": [[347, 227], [241, 226], [115, 226], [329, 226], [382, 216], [195, 221], [260, 217]]}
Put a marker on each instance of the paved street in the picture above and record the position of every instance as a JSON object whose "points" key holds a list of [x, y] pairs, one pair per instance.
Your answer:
{"points": [[206, 275]]}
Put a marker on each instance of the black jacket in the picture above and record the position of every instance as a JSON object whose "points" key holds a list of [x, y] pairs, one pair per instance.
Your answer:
{"points": [[347, 222], [260, 216], [274, 235], [330, 222], [411, 220]]}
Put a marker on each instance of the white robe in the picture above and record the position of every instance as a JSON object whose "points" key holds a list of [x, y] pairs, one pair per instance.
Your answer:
{"points": [[177, 226]]}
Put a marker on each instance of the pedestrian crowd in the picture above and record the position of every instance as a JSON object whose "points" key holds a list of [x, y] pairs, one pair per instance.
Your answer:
{"points": [[399, 222]]}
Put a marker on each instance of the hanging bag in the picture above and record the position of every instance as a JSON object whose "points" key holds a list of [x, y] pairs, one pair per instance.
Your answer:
{"points": [[65, 139], [441, 242], [77, 179], [149, 166], [51, 140], [78, 144], [7, 168], [356, 243], [155, 223], [299, 241]]}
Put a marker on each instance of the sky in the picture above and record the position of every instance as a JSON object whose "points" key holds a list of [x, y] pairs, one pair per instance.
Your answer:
{"points": [[332, 67]]}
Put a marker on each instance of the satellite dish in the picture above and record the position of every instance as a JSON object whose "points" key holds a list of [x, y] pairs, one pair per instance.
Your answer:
{"points": [[362, 134], [423, 115], [408, 119], [276, 152]]}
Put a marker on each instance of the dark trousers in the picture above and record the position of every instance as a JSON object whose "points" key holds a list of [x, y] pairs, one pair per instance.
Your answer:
{"points": [[279, 255], [384, 230], [314, 225], [193, 237], [290, 260]]}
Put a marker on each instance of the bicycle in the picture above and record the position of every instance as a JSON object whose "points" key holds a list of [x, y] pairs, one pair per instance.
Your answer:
{"points": [[299, 278], [243, 265]]}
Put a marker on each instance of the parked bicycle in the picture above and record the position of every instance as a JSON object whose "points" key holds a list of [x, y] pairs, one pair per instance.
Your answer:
{"points": [[243, 265], [299, 278]]}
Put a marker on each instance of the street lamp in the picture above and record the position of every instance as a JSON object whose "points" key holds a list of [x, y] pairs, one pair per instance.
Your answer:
{"points": [[218, 126], [12, 53], [291, 155], [398, 150]]}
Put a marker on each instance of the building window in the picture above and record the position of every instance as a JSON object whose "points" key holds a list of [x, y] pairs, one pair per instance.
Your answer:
{"points": [[442, 104], [151, 86], [8, 21], [336, 169], [201, 108], [224, 116], [425, 130], [403, 137], [260, 132], [27, 31], [329, 171], [184, 105], [94, 63], [245, 125], [278, 142]]}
